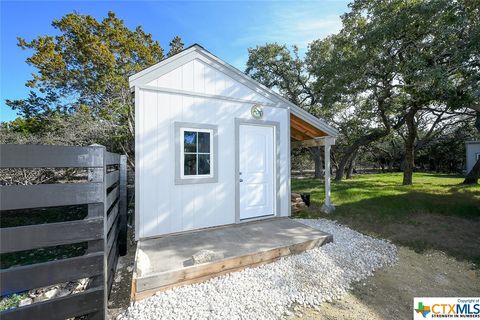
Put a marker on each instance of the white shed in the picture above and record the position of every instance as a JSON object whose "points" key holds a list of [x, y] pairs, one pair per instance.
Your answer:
{"points": [[213, 145], [472, 154]]}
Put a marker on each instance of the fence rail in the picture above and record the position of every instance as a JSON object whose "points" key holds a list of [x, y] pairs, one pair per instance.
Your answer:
{"points": [[104, 228]]}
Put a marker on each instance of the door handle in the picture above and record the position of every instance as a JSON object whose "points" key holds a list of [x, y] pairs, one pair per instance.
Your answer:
{"points": [[241, 180]]}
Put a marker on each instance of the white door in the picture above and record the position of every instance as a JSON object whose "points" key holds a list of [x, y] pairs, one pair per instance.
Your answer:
{"points": [[256, 171]]}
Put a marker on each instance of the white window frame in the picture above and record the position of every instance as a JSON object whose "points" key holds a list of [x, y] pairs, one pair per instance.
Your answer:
{"points": [[179, 130], [182, 154]]}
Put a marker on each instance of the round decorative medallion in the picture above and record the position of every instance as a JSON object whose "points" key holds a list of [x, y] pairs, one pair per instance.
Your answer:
{"points": [[257, 111]]}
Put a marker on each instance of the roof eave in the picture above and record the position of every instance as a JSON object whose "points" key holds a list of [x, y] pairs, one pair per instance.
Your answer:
{"points": [[304, 115]]}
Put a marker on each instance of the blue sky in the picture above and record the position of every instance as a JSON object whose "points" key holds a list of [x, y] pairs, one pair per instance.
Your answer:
{"points": [[226, 28]]}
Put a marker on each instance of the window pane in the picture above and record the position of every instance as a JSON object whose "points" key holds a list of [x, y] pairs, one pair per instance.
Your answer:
{"points": [[190, 141], [190, 165], [203, 164], [204, 142]]}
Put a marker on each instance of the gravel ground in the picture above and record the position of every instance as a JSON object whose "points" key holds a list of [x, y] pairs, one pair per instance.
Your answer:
{"points": [[271, 291], [389, 294]]}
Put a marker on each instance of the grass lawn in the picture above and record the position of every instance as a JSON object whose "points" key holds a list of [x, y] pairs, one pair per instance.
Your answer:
{"points": [[436, 212]]}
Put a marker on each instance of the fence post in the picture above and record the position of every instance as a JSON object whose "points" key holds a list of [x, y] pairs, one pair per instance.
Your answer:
{"points": [[98, 210], [122, 235], [95, 209], [105, 236]]}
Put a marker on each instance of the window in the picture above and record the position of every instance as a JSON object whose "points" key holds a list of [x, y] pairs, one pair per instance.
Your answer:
{"points": [[195, 153]]}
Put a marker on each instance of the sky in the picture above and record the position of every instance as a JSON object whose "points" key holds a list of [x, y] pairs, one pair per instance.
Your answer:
{"points": [[225, 28]]}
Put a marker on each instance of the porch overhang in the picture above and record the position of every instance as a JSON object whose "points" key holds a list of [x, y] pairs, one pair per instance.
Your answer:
{"points": [[309, 131], [301, 130]]}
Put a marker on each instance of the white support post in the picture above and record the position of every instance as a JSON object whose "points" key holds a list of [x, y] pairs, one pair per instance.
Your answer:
{"points": [[327, 207]]}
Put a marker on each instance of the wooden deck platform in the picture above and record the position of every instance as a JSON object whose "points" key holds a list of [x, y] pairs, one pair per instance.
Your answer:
{"points": [[166, 262]]}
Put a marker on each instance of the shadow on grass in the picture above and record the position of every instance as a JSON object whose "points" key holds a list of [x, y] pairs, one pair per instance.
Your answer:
{"points": [[416, 219]]}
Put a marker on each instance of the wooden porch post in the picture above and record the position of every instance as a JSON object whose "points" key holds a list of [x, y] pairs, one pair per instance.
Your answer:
{"points": [[327, 207], [327, 142]]}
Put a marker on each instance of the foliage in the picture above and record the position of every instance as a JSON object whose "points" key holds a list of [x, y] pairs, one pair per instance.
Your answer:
{"points": [[85, 69], [396, 78], [88, 63], [397, 68], [75, 129], [445, 152], [277, 67], [12, 301], [80, 128], [176, 46], [300, 160]]}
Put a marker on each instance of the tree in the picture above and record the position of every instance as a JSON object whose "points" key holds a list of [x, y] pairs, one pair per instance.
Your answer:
{"points": [[429, 50], [78, 129], [275, 66], [349, 72], [393, 65], [87, 65], [176, 45]]}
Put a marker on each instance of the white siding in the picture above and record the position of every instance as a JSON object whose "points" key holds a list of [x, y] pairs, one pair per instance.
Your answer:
{"points": [[197, 76], [473, 148], [165, 207]]}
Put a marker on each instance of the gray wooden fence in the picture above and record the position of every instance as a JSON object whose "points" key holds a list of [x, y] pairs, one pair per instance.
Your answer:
{"points": [[104, 228]]}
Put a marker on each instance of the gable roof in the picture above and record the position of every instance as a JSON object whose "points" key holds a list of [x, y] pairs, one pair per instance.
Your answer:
{"points": [[196, 51]]}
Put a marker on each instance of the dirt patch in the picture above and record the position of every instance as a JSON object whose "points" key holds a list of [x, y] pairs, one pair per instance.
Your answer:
{"points": [[389, 294], [456, 236], [119, 298]]}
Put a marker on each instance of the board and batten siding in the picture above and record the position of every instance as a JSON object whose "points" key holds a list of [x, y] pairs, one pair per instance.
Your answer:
{"points": [[164, 207]]}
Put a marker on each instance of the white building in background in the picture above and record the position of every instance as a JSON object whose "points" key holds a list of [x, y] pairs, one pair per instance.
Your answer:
{"points": [[472, 153]]}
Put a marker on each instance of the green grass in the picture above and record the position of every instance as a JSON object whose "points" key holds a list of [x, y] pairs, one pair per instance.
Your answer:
{"points": [[436, 212], [12, 301], [384, 197]]}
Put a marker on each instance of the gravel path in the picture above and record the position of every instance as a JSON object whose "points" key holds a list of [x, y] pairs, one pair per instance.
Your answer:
{"points": [[270, 291]]}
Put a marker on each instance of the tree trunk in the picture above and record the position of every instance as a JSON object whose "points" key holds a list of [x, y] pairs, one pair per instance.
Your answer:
{"points": [[360, 142], [473, 175], [317, 158], [341, 167], [410, 147], [351, 165]]}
